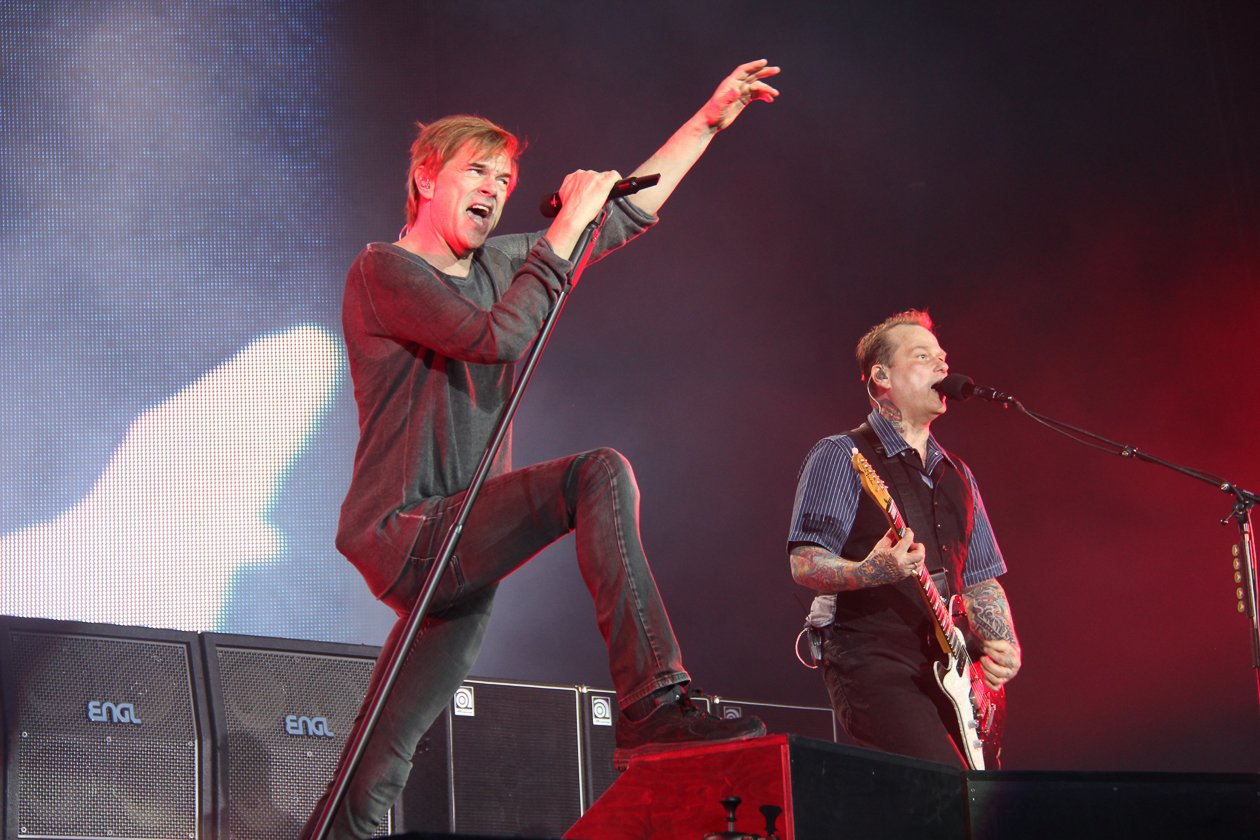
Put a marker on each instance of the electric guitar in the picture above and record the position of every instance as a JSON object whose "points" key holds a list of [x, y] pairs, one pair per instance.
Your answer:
{"points": [[980, 710]]}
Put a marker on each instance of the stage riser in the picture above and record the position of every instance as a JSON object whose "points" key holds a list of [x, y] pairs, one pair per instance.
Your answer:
{"points": [[1104, 806], [831, 790], [824, 790]]}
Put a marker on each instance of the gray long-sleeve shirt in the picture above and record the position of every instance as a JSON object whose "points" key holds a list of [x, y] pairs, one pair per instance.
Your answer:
{"points": [[432, 359]]}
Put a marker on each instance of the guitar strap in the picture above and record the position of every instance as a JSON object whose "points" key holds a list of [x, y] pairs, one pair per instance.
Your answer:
{"points": [[899, 478]]}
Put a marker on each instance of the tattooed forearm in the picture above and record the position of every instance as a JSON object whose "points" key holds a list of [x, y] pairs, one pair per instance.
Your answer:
{"points": [[989, 613], [879, 568], [823, 571]]}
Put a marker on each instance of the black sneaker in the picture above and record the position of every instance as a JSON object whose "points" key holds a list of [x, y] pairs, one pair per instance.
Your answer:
{"points": [[676, 724]]}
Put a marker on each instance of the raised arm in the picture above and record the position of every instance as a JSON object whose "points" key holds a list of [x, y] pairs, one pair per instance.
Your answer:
{"points": [[584, 192], [688, 143], [989, 614]]}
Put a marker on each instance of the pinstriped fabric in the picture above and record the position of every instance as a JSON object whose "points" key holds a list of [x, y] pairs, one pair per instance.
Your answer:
{"points": [[828, 492]]}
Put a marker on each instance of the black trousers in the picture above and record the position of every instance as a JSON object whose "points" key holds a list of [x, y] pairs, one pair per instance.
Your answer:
{"points": [[887, 700]]}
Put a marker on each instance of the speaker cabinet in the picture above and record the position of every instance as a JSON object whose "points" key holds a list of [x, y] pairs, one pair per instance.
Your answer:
{"points": [[283, 710], [510, 764], [104, 732], [599, 739]]}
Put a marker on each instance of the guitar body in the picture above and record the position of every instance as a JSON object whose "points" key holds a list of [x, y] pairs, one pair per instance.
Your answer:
{"points": [[980, 711]]}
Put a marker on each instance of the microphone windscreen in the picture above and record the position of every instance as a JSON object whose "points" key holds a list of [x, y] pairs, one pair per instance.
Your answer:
{"points": [[956, 386]]}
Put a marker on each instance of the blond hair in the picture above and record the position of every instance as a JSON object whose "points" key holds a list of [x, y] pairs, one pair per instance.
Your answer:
{"points": [[437, 142]]}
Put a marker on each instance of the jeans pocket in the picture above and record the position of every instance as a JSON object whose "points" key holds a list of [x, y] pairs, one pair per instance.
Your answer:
{"points": [[403, 595], [408, 585]]}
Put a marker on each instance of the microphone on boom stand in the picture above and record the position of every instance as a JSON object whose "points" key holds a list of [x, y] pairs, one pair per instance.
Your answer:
{"points": [[959, 387]]}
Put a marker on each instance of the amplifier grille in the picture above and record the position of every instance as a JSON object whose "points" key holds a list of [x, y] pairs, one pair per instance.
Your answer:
{"points": [[287, 716], [515, 763], [106, 738]]}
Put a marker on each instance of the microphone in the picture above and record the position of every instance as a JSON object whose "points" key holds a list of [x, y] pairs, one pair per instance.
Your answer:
{"points": [[959, 387], [550, 205]]}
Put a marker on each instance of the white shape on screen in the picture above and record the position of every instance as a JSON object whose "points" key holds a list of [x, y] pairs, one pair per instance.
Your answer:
{"points": [[184, 500]]}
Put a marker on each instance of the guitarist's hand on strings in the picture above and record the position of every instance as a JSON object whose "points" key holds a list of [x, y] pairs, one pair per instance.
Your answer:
{"points": [[999, 663], [892, 559], [989, 616]]}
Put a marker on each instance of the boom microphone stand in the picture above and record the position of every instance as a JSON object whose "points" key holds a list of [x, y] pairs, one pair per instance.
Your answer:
{"points": [[376, 703], [1246, 575]]}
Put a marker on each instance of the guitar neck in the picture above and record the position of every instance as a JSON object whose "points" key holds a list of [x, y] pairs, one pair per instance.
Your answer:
{"points": [[944, 627]]}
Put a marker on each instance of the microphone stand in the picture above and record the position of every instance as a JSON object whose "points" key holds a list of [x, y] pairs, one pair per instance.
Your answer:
{"points": [[375, 704], [1246, 571]]}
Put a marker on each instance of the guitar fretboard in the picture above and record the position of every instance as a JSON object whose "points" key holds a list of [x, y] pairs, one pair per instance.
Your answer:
{"points": [[947, 634]]}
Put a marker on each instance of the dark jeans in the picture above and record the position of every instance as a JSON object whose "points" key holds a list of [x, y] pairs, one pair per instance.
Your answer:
{"points": [[516, 515], [888, 703]]}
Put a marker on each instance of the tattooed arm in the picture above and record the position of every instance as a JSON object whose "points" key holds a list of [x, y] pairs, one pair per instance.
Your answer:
{"points": [[889, 561], [990, 616]]}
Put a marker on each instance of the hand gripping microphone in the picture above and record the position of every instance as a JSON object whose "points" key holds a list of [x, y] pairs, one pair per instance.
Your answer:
{"points": [[550, 205], [959, 387]]}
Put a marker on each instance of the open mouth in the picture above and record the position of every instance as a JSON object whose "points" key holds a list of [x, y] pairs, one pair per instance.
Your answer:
{"points": [[480, 213]]}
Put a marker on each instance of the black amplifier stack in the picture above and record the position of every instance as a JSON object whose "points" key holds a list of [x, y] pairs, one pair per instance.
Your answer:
{"points": [[125, 732]]}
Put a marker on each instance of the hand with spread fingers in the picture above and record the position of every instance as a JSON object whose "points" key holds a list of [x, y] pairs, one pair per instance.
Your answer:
{"points": [[744, 85], [673, 160]]}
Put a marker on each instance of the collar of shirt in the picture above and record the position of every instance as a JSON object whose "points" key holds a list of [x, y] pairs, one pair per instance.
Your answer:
{"points": [[894, 443]]}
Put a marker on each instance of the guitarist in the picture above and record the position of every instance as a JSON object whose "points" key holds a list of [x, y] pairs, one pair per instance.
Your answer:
{"points": [[870, 628]]}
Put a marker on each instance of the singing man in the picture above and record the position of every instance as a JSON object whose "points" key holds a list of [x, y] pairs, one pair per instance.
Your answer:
{"points": [[434, 324], [878, 645]]}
